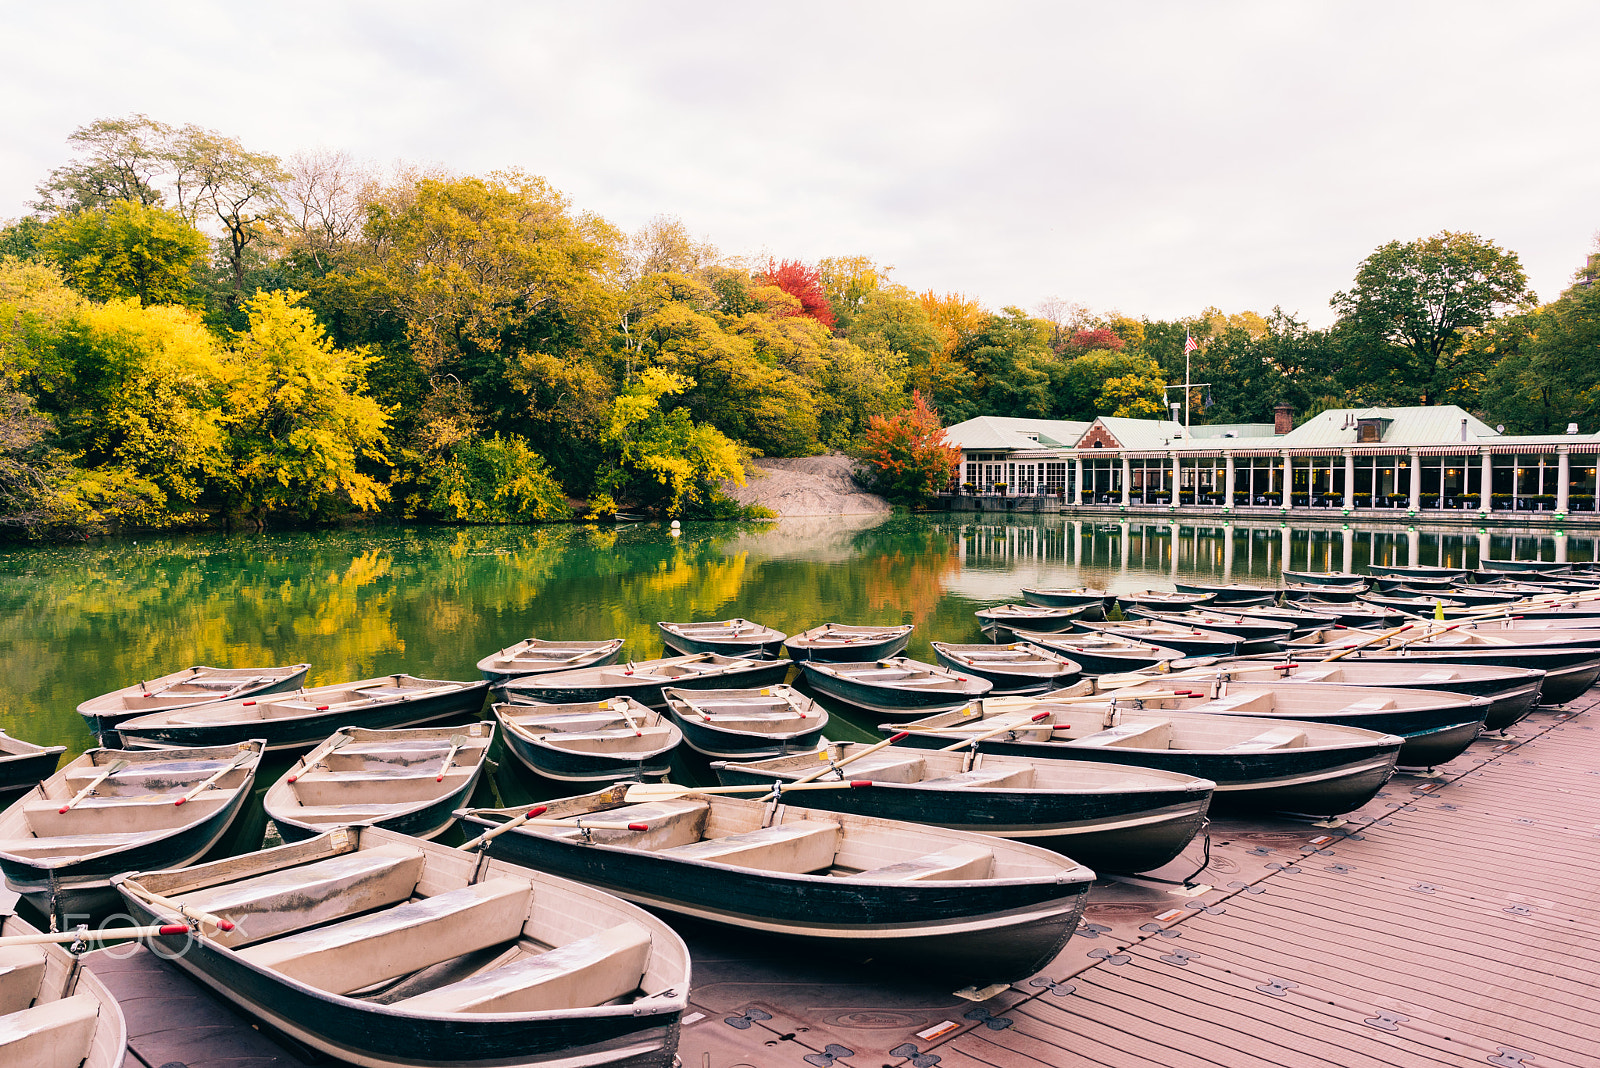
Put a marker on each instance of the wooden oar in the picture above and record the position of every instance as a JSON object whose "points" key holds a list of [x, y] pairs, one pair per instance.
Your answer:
{"points": [[456, 742], [975, 739], [201, 788], [668, 791], [111, 769], [623, 710], [102, 935], [1362, 645], [1424, 636], [340, 740], [490, 835], [131, 887], [835, 765]]}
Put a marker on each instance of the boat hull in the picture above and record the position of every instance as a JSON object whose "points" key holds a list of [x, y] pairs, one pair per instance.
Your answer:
{"points": [[730, 646], [976, 931], [1318, 782], [566, 766], [103, 724], [1203, 643], [1120, 831], [303, 732], [609, 653], [1092, 600], [26, 771], [886, 700], [375, 1037], [847, 654], [555, 691], [1015, 683]]}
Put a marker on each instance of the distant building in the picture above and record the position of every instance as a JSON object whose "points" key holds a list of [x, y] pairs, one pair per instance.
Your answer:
{"points": [[1414, 459]]}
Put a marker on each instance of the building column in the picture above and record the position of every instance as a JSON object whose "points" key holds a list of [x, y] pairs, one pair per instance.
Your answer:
{"points": [[1227, 494], [1483, 544], [1413, 548], [1127, 481], [1288, 548], [1175, 498], [1288, 480], [1077, 541], [1123, 540], [1485, 481], [1563, 479], [1172, 541], [1416, 482], [1349, 551], [1561, 542], [1227, 546], [1349, 480], [1077, 462]]}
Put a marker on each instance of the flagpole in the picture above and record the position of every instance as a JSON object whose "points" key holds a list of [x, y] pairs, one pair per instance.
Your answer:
{"points": [[1188, 355]]}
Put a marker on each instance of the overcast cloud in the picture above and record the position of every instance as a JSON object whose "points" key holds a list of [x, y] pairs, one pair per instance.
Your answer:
{"points": [[1150, 158]]}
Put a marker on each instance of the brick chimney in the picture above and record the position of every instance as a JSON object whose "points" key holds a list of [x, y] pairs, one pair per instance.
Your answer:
{"points": [[1282, 418]]}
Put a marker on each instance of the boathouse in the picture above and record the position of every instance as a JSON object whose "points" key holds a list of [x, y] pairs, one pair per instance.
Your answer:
{"points": [[1438, 459]]}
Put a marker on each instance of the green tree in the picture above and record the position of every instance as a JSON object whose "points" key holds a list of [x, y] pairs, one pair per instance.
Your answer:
{"points": [[661, 458], [301, 428], [496, 480], [126, 249], [1103, 382], [1412, 307], [1011, 356], [1544, 370]]}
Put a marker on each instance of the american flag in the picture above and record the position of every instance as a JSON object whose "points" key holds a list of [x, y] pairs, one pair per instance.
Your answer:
{"points": [[1189, 344]]}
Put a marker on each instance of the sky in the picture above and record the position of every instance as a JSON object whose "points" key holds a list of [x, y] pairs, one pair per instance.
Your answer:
{"points": [[1148, 158]]}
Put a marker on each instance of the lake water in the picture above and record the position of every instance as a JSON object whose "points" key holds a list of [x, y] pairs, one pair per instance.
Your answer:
{"points": [[78, 621]]}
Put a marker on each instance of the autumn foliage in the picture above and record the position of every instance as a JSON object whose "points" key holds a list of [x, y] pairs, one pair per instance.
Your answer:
{"points": [[803, 283], [905, 455], [1091, 340]]}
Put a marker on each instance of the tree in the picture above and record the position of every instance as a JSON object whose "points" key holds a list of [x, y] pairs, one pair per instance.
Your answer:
{"points": [[126, 249], [123, 159], [663, 458], [300, 425], [802, 282], [496, 480], [1011, 356], [1412, 307], [906, 456], [241, 190]]}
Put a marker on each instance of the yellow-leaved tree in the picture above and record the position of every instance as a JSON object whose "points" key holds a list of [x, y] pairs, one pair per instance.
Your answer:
{"points": [[300, 425]]}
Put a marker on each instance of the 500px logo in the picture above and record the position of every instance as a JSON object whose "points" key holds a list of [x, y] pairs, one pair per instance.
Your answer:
{"points": [[119, 947]]}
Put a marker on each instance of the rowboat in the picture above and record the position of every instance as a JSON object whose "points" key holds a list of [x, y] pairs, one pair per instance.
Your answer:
{"points": [[1471, 596], [535, 656], [1354, 614], [23, 764], [1512, 691], [1570, 666], [1166, 600], [1068, 597], [898, 686], [747, 724], [1020, 667], [1113, 817], [1420, 584], [303, 718], [999, 619], [1303, 591], [1191, 641], [1326, 578], [409, 781], [54, 1013], [1437, 726], [590, 741], [185, 689], [1255, 635], [1546, 567], [1301, 619], [391, 952], [113, 810], [847, 643], [643, 680], [1418, 571], [1097, 653], [1423, 605], [1230, 593], [730, 637], [1258, 764], [973, 907]]}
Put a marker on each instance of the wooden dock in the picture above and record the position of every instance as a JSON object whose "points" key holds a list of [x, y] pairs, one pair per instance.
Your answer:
{"points": [[1454, 921]]}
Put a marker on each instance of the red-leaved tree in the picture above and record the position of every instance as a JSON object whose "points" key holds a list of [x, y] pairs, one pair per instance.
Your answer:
{"points": [[905, 456], [1090, 340], [804, 284]]}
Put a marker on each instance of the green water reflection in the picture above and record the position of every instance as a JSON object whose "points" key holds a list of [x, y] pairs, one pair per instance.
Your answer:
{"points": [[82, 620]]}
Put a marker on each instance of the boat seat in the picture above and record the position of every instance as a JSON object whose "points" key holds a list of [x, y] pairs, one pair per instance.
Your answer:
{"points": [[1438, 676], [56, 1034], [279, 902], [956, 862], [578, 722], [994, 778], [1276, 738], [396, 941], [798, 847], [69, 845], [21, 976], [624, 740], [340, 815], [115, 815], [888, 767], [1145, 735], [672, 823], [1369, 704], [385, 790], [588, 971], [758, 721]]}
